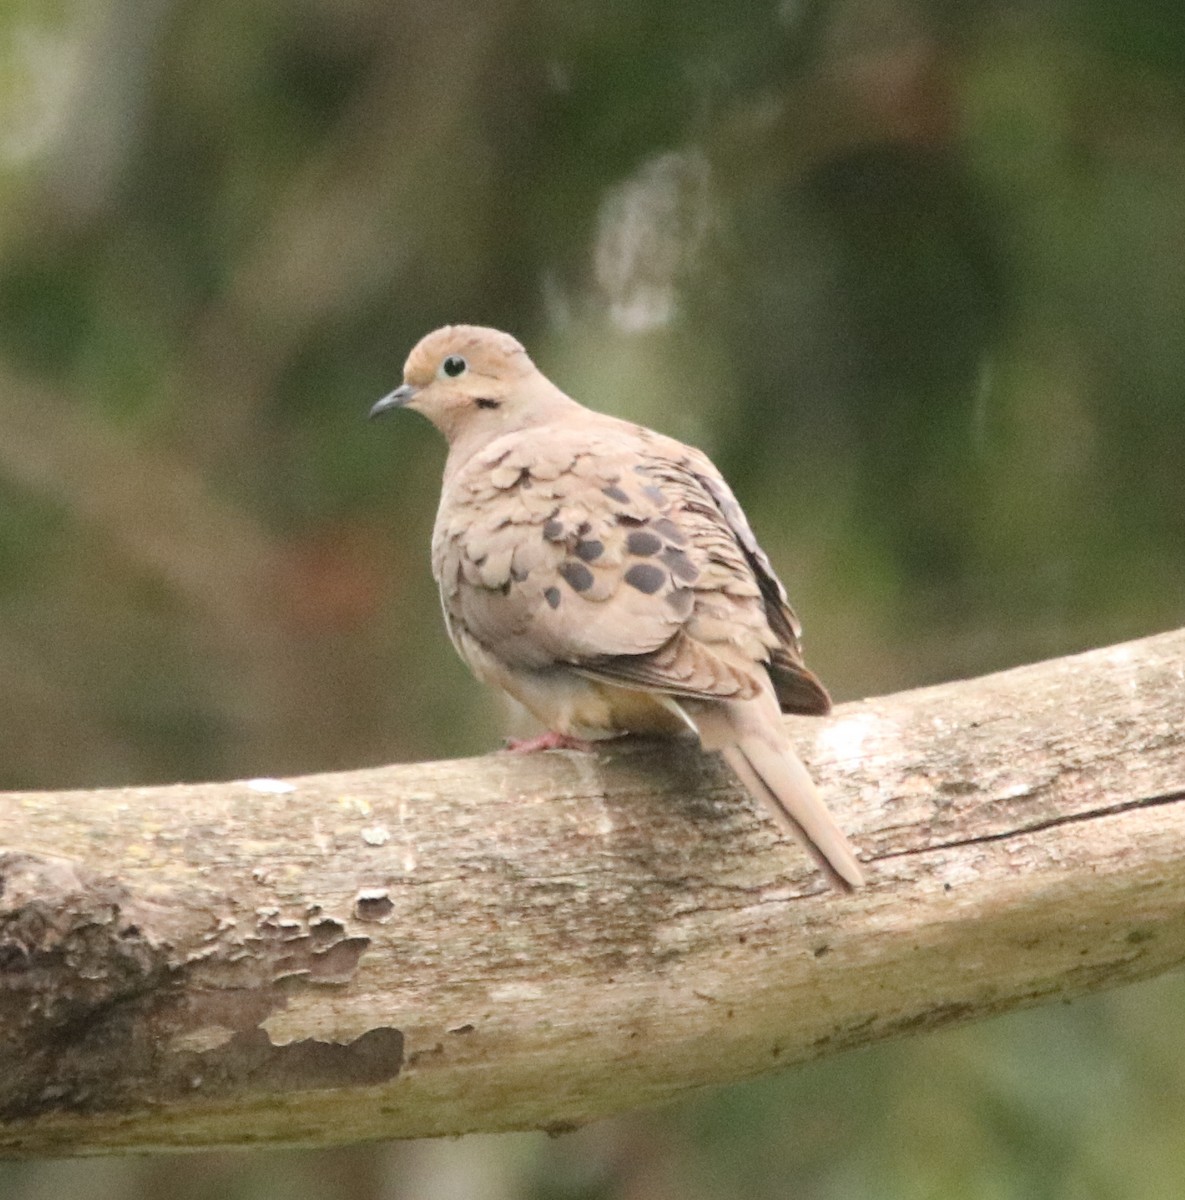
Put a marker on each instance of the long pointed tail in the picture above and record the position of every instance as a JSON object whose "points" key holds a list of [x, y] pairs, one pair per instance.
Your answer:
{"points": [[774, 775]]}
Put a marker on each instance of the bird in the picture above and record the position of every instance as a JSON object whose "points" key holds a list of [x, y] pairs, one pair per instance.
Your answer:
{"points": [[605, 576]]}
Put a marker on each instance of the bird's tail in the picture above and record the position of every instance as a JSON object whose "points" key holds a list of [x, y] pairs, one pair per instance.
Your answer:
{"points": [[773, 774]]}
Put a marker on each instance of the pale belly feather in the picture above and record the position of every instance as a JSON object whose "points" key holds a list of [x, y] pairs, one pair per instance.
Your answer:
{"points": [[569, 703]]}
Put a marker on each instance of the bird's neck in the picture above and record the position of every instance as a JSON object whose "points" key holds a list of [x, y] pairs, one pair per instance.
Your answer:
{"points": [[546, 406]]}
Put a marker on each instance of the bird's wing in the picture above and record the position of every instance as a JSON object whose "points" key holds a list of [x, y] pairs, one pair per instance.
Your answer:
{"points": [[797, 688], [608, 548]]}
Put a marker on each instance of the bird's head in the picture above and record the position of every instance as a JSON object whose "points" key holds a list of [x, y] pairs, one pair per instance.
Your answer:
{"points": [[470, 382]]}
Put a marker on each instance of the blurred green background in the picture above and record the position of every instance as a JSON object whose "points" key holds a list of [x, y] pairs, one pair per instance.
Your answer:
{"points": [[912, 272]]}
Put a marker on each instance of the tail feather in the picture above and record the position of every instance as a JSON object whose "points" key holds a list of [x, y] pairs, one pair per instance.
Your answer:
{"points": [[782, 784], [774, 775]]}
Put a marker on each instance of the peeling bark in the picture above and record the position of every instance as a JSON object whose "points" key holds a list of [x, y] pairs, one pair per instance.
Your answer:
{"points": [[514, 942]]}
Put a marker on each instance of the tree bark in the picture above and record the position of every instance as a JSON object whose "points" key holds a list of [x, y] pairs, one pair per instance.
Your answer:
{"points": [[514, 942]]}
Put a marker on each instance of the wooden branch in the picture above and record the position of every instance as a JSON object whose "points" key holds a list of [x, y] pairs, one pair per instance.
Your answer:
{"points": [[508, 942]]}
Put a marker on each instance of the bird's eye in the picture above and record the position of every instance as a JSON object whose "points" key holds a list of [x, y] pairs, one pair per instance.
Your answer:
{"points": [[454, 365]]}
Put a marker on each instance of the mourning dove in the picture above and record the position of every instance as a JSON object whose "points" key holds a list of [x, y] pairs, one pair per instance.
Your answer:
{"points": [[605, 576]]}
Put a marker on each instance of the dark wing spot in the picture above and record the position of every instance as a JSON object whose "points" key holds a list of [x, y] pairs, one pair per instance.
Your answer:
{"points": [[518, 574], [628, 519], [577, 576], [552, 596], [646, 577], [670, 531], [681, 600], [681, 566], [553, 530], [615, 493], [643, 543], [655, 494], [591, 550]]}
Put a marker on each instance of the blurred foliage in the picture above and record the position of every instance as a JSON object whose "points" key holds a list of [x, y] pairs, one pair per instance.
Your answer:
{"points": [[912, 271]]}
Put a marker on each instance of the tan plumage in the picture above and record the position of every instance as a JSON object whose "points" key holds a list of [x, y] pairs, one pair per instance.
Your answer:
{"points": [[605, 576]]}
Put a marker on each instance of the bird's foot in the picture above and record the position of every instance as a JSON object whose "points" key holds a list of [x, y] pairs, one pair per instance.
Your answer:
{"points": [[548, 741]]}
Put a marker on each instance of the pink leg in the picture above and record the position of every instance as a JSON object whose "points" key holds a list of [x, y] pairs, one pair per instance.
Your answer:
{"points": [[548, 741]]}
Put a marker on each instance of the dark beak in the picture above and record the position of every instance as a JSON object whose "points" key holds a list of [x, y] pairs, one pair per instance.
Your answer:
{"points": [[399, 398]]}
